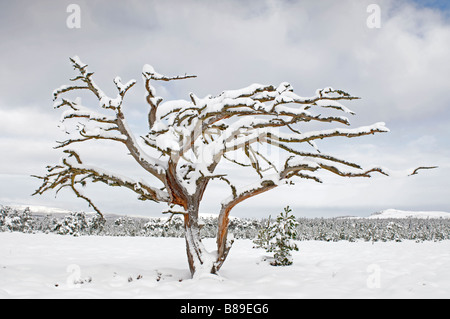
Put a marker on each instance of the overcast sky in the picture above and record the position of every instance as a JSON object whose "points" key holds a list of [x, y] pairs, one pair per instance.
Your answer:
{"points": [[400, 70]]}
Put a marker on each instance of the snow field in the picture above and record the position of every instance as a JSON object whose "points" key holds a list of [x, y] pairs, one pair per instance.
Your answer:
{"points": [[54, 266]]}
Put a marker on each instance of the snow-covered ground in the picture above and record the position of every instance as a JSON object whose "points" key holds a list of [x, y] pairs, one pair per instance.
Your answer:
{"points": [[47, 265]]}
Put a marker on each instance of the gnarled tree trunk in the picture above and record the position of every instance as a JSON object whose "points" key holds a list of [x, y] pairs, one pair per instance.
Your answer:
{"points": [[200, 260]]}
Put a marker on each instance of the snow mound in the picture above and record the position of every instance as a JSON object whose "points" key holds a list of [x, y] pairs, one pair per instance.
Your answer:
{"points": [[395, 213]]}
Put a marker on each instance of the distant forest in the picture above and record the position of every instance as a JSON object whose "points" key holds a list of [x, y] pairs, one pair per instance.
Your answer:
{"points": [[324, 229]]}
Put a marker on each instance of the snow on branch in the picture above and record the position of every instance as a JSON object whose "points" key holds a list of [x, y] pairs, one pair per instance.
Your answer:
{"points": [[101, 126], [261, 127], [202, 131], [72, 173], [173, 123], [123, 88], [314, 135], [192, 136], [148, 74]]}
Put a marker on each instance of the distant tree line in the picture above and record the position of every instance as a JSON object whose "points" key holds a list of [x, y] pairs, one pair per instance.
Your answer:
{"points": [[323, 229]]}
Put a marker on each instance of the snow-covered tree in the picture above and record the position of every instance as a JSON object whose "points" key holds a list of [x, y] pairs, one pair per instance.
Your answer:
{"points": [[188, 139], [74, 224], [281, 238], [278, 238], [263, 237], [15, 220]]}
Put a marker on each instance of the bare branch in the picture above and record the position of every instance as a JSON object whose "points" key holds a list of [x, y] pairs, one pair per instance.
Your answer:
{"points": [[79, 195], [173, 214], [149, 74], [415, 172], [70, 174], [353, 174]]}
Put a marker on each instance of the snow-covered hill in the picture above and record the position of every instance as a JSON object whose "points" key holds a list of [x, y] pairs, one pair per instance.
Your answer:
{"points": [[395, 213]]}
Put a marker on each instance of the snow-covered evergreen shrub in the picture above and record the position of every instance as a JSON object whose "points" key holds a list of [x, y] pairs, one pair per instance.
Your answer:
{"points": [[262, 237], [282, 235], [75, 224], [279, 237], [153, 228], [96, 224], [3, 218], [16, 221], [125, 226], [244, 228], [161, 227], [393, 232], [208, 226], [175, 228]]}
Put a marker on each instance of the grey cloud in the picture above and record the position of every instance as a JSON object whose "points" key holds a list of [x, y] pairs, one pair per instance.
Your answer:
{"points": [[400, 70]]}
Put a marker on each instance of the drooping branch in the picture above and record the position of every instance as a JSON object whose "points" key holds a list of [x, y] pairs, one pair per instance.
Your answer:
{"points": [[416, 171], [70, 174]]}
